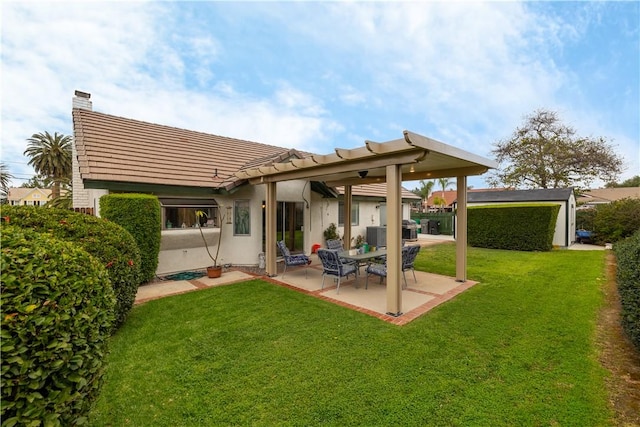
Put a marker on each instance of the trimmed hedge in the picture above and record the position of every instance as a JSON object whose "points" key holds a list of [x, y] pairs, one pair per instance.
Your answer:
{"points": [[628, 277], [139, 214], [57, 314], [519, 227], [111, 244]]}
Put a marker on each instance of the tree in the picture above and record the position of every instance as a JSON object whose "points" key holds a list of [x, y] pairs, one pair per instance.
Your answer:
{"points": [[424, 191], [50, 156], [545, 153], [5, 179], [37, 181], [631, 182], [444, 184]]}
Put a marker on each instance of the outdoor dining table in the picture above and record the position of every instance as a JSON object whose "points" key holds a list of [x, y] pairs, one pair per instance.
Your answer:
{"points": [[362, 258]]}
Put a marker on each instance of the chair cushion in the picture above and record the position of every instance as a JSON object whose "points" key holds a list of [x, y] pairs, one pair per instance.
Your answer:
{"points": [[377, 269]]}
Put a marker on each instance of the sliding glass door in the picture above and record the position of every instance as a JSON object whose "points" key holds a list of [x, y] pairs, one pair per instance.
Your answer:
{"points": [[290, 225]]}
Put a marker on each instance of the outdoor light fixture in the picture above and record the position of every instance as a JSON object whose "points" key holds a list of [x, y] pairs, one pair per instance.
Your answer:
{"points": [[363, 174], [228, 214]]}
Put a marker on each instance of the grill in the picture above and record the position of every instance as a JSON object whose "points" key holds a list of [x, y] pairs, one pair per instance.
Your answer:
{"points": [[409, 229]]}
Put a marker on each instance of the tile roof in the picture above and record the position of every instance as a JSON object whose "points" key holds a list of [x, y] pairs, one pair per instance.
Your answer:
{"points": [[606, 195], [112, 148]]}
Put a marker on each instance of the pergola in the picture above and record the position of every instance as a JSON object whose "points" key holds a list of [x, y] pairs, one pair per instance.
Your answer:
{"points": [[413, 157]]}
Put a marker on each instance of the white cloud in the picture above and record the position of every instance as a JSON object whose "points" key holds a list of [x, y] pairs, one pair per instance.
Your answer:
{"points": [[462, 72]]}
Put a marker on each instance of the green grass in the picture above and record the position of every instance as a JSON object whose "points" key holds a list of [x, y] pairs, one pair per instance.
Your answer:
{"points": [[516, 349]]}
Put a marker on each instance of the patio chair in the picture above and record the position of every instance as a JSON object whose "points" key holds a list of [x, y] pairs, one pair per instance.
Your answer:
{"points": [[409, 254], [292, 260], [333, 266], [335, 245]]}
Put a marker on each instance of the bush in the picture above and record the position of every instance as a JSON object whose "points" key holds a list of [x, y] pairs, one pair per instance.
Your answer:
{"points": [[331, 232], [139, 214], [628, 277], [617, 220], [517, 227], [57, 314], [112, 245]]}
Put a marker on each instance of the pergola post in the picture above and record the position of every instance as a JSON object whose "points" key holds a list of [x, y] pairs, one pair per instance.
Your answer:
{"points": [[271, 228], [394, 240], [461, 230], [346, 238]]}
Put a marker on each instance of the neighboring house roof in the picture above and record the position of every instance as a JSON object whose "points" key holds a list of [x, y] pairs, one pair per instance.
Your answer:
{"points": [[608, 195], [21, 193], [540, 195], [112, 148], [449, 197]]}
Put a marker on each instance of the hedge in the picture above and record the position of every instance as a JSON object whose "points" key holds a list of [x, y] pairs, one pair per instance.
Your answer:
{"points": [[57, 314], [628, 278], [111, 244], [139, 214], [521, 227]]}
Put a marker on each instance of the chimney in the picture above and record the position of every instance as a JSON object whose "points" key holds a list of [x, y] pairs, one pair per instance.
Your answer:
{"points": [[81, 101]]}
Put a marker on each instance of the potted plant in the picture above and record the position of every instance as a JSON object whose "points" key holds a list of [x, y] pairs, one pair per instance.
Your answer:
{"points": [[214, 270]]}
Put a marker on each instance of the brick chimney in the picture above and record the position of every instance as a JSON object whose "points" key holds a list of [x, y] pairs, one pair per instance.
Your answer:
{"points": [[82, 101]]}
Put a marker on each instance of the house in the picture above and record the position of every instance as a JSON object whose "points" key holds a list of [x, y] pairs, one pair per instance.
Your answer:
{"points": [[19, 196], [591, 198], [255, 194], [191, 171], [565, 230]]}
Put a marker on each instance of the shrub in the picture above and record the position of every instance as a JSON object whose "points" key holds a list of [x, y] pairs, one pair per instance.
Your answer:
{"points": [[628, 277], [139, 214], [111, 244], [57, 314], [617, 220], [518, 227], [331, 232]]}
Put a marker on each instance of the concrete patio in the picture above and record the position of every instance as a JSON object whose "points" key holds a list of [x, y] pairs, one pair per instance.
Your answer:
{"points": [[421, 295]]}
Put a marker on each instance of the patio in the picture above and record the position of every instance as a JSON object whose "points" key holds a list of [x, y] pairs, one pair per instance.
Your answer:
{"points": [[420, 296]]}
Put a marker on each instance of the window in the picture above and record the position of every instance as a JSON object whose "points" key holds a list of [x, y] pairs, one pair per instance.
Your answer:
{"points": [[241, 218], [355, 213], [181, 213]]}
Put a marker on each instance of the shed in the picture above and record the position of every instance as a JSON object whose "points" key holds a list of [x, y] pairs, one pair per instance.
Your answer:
{"points": [[565, 231]]}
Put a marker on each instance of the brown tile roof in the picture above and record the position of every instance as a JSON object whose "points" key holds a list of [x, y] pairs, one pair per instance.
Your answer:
{"points": [[112, 148], [606, 195]]}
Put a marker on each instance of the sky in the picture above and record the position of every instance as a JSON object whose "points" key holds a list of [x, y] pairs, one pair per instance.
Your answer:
{"points": [[322, 75]]}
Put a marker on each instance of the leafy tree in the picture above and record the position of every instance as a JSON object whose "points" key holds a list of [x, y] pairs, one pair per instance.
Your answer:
{"points": [[631, 182], [37, 181], [5, 179], [545, 153], [50, 156]]}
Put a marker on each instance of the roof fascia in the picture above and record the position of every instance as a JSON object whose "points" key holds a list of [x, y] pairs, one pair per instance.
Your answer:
{"points": [[153, 188]]}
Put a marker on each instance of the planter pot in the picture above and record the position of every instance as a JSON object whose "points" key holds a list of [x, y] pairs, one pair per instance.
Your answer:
{"points": [[213, 272]]}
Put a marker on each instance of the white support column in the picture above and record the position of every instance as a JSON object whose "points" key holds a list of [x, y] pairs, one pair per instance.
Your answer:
{"points": [[461, 230], [394, 240], [346, 238], [271, 229]]}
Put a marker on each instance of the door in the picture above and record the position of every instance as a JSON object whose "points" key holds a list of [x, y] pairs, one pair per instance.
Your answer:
{"points": [[289, 225]]}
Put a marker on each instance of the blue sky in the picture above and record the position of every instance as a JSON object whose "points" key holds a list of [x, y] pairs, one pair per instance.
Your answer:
{"points": [[321, 75]]}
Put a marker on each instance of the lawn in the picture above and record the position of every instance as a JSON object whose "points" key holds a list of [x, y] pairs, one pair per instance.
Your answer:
{"points": [[516, 349]]}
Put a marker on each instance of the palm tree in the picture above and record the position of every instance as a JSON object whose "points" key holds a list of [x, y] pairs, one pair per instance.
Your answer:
{"points": [[444, 183], [424, 191], [51, 156], [5, 179]]}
